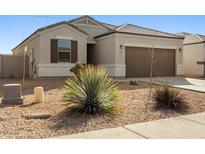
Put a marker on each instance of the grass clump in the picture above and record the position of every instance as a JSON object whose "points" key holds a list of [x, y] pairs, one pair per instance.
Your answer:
{"points": [[134, 82], [91, 91], [167, 97]]}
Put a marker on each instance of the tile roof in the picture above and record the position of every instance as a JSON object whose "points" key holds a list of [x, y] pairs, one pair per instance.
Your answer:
{"points": [[130, 28], [183, 34], [50, 26], [138, 30], [105, 25], [126, 28], [192, 38]]}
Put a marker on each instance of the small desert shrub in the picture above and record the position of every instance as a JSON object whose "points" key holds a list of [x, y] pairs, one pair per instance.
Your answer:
{"points": [[77, 68], [167, 97], [134, 83], [91, 91]]}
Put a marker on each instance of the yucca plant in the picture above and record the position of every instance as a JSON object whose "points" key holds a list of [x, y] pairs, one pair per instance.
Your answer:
{"points": [[167, 97], [91, 91]]}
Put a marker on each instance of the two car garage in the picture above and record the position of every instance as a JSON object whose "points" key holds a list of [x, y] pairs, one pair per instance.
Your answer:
{"points": [[138, 62], [132, 49]]}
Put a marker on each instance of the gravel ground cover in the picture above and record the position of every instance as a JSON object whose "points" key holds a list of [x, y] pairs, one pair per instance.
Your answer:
{"points": [[133, 100]]}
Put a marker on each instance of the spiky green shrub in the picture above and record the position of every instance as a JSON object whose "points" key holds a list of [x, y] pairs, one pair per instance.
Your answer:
{"points": [[91, 91], [167, 97]]}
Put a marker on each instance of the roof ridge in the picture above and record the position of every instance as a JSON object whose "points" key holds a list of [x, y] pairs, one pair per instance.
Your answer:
{"points": [[121, 26], [154, 30], [80, 17], [115, 31], [182, 33], [87, 16], [185, 32], [200, 34], [198, 37], [57, 23], [108, 24]]}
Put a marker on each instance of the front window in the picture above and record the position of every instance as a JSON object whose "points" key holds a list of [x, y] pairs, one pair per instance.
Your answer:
{"points": [[64, 50]]}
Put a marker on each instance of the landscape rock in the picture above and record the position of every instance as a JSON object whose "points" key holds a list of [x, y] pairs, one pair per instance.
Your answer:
{"points": [[37, 116]]}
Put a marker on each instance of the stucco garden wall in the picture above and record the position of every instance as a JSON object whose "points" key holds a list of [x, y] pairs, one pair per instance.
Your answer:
{"points": [[192, 54]]}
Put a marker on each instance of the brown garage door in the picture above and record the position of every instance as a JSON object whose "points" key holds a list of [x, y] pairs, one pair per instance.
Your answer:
{"points": [[138, 61]]}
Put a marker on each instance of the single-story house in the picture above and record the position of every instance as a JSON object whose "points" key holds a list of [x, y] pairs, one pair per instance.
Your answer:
{"points": [[124, 50], [194, 54]]}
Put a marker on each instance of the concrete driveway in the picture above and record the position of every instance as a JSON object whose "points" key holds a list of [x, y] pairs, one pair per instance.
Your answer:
{"points": [[179, 82]]}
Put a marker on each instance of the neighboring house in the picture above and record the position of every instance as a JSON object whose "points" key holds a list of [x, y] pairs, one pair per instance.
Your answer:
{"points": [[194, 54], [124, 50]]}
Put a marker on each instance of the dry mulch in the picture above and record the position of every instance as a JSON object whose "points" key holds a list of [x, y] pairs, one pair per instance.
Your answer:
{"points": [[133, 100]]}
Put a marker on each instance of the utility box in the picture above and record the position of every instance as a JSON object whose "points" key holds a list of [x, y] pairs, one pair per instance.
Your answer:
{"points": [[12, 94]]}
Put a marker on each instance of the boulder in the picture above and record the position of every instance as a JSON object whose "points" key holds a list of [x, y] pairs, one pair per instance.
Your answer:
{"points": [[38, 116]]}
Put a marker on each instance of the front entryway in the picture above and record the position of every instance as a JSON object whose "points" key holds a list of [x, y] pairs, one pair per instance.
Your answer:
{"points": [[138, 62], [90, 54]]}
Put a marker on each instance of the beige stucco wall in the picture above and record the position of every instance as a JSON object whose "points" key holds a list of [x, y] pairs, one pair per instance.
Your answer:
{"points": [[105, 54], [62, 32], [192, 54], [192, 38], [105, 50], [91, 30], [110, 53]]}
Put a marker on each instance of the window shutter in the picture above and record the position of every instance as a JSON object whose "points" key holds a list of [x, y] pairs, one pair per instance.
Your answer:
{"points": [[74, 51], [54, 51]]}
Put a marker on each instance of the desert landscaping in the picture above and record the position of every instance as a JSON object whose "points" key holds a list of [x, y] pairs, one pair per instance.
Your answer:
{"points": [[132, 104]]}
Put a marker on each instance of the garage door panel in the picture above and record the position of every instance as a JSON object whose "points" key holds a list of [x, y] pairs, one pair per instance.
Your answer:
{"points": [[135, 61], [138, 61], [164, 62]]}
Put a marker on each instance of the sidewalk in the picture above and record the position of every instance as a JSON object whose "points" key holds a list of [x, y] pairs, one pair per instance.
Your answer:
{"points": [[183, 127]]}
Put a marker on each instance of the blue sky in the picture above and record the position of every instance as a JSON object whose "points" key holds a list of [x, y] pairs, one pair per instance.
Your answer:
{"points": [[13, 29]]}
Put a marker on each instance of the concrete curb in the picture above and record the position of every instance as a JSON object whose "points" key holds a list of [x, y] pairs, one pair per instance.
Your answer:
{"points": [[183, 127]]}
